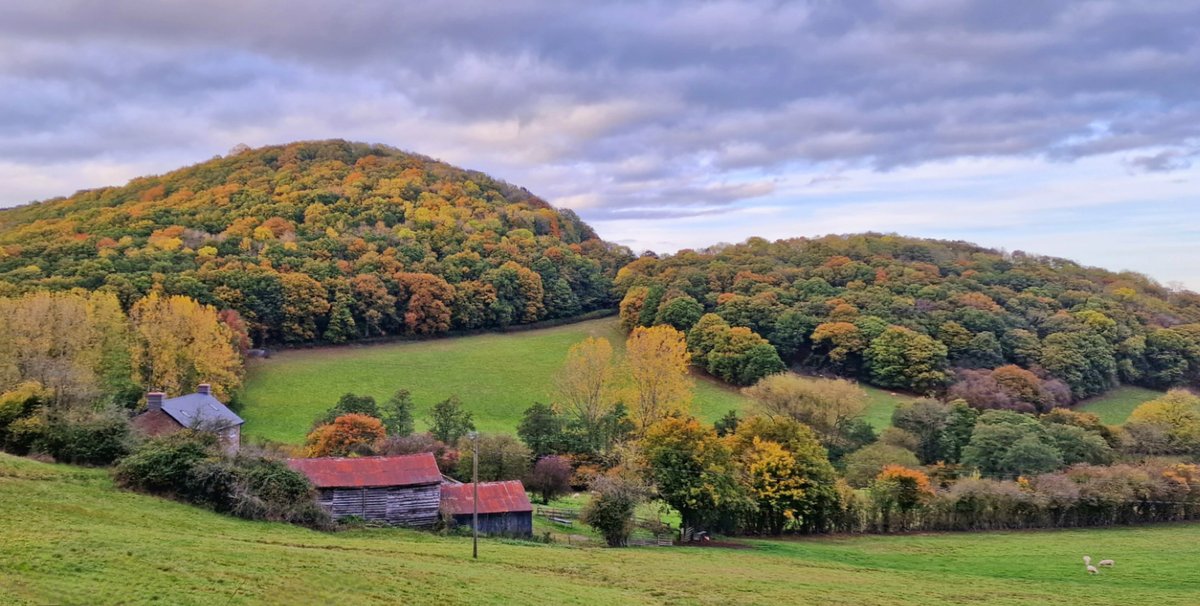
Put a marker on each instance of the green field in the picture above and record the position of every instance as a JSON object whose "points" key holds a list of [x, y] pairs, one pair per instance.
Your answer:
{"points": [[1114, 407], [497, 376], [71, 538]]}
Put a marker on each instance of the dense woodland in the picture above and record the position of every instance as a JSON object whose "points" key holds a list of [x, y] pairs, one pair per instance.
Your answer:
{"points": [[323, 241], [1012, 331]]}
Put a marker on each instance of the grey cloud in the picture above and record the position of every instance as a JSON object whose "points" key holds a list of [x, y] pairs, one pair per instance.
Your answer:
{"points": [[1164, 161], [645, 108]]}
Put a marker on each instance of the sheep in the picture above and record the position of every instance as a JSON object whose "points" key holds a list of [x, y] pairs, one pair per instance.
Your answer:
{"points": [[1087, 560], [1092, 569], [1106, 563]]}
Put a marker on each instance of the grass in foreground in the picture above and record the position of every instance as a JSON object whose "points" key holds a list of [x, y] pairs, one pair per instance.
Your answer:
{"points": [[71, 538], [1115, 406], [497, 376]]}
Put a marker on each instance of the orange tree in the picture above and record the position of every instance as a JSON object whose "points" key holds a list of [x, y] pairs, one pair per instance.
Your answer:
{"points": [[350, 434]]}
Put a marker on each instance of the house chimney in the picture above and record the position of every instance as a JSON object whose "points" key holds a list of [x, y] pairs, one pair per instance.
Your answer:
{"points": [[204, 389], [154, 400]]}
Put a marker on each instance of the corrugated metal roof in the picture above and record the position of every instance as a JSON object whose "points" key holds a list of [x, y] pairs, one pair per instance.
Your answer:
{"points": [[200, 409], [494, 497], [364, 472]]}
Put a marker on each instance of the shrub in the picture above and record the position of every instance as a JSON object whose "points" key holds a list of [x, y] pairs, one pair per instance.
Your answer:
{"points": [[862, 466], [164, 465], [611, 509], [550, 478], [189, 466], [86, 437]]}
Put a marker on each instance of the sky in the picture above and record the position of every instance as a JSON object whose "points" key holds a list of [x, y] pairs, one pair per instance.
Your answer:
{"points": [[1063, 128]]}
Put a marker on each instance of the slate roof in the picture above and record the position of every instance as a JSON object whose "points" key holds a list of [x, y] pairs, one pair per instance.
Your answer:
{"points": [[367, 472], [189, 409], [494, 497]]}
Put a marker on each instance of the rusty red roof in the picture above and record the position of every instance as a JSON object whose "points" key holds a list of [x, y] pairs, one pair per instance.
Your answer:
{"points": [[363, 472], [494, 497]]}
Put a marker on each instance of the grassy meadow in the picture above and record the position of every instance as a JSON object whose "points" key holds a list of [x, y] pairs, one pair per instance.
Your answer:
{"points": [[497, 376], [71, 538], [1114, 407]]}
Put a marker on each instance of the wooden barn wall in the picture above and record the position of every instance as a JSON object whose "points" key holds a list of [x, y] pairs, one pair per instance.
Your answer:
{"points": [[508, 524], [412, 506]]}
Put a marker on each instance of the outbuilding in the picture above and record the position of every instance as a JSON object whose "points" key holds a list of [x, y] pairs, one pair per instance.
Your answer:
{"points": [[397, 490], [504, 508]]}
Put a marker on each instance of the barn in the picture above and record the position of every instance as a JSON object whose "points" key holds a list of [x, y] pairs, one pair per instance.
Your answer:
{"points": [[397, 490], [504, 508]]}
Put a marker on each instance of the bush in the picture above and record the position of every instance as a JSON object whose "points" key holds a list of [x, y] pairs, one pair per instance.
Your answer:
{"points": [[189, 466], [164, 465], [863, 465], [550, 478], [86, 437], [611, 509]]}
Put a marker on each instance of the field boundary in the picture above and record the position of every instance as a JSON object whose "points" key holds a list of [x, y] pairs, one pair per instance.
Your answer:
{"points": [[452, 334]]}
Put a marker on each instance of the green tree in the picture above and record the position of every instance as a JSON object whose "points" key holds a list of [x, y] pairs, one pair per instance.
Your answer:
{"points": [[692, 469], [1084, 360], [904, 358], [501, 457], [681, 312], [350, 404], [449, 422], [398, 414], [863, 465], [542, 430]]}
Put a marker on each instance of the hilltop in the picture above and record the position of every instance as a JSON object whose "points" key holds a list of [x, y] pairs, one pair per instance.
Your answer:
{"points": [[324, 240]]}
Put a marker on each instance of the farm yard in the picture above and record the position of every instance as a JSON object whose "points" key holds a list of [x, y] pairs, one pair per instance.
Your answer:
{"points": [[72, 538]]}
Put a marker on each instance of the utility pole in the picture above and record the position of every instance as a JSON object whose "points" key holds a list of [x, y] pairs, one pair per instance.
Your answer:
{"points": [[474, 436]]}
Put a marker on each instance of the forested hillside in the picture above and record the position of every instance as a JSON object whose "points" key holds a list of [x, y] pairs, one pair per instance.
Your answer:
{"points": [[1000, 330], [328, 241]]}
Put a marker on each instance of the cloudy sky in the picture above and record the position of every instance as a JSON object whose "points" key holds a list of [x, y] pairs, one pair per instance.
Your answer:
{"points": [[1064, 128]]}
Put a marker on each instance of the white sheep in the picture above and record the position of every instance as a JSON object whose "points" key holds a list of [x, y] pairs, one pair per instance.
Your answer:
{"points": [[1106, 563], [1087, 560], [1092, 569]]}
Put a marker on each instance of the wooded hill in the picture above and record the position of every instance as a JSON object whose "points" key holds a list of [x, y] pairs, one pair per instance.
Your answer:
{"points": [[904, 312], [334, 241], [325, 240]]}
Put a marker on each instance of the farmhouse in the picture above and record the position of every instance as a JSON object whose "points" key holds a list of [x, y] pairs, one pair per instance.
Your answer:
{"points": [[200, 411], [504, 508], [398, 490]]}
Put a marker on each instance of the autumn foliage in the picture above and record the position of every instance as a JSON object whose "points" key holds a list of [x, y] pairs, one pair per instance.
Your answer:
{"points": [[351, 434]]}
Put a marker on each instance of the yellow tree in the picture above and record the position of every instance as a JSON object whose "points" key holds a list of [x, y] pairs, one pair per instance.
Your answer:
{"points": [[584, 386], [179, 343], [73, 343], [775, 483], [658, 359]]}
